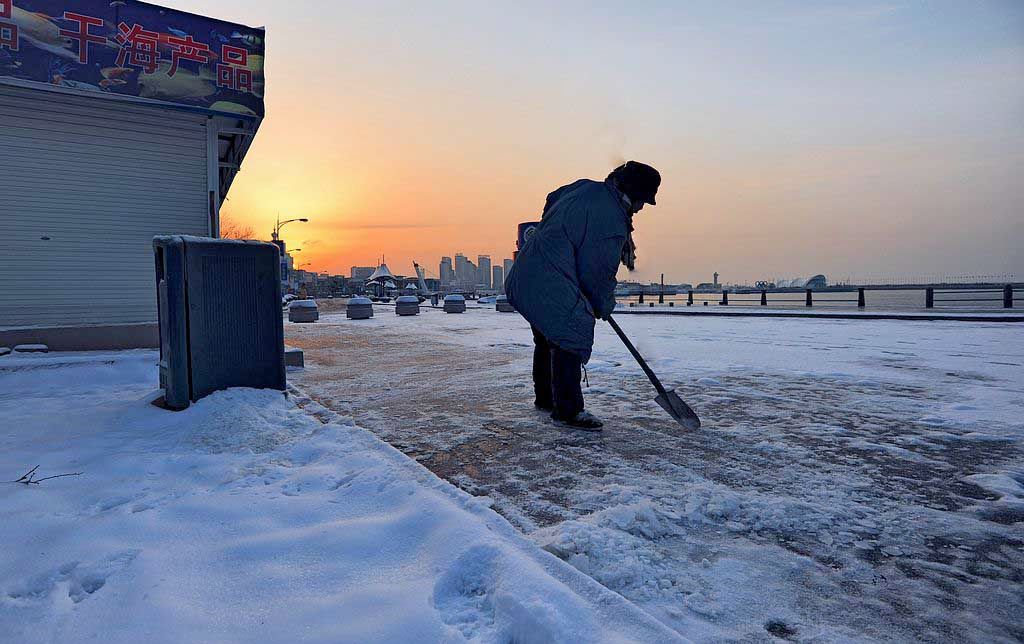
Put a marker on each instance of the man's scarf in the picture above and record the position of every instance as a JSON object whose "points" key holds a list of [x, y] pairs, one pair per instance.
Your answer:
{"points": [[629, 248], [628, 258]]}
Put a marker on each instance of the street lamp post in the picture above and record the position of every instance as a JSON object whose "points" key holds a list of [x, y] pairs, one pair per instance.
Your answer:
{"points": [[279, 224]]}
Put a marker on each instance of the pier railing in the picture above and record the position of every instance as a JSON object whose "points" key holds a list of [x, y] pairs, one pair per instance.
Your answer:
{"points": [[1008, 294]]}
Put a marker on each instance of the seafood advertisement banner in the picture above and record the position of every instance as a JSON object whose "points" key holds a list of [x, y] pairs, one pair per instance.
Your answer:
{"points": [[134, 49]]}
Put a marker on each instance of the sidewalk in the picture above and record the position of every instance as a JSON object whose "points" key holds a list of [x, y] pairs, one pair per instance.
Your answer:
{"points": [[852, 481]]}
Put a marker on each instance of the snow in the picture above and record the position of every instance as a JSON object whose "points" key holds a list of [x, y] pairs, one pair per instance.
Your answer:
{"points": [[302, 304], [253, 517], [855, 480], [31, 348]]}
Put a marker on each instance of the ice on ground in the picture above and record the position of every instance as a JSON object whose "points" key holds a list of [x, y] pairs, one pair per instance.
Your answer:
{"points": [[246, 519], [853, 480]]}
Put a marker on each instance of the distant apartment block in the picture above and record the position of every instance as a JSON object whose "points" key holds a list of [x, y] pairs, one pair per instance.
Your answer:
{"points": [[483, 263], [498, 278], [446, 273], [362, 272]]}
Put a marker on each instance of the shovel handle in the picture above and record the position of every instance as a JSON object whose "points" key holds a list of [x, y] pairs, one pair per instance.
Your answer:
{"points": [[636, 354]]}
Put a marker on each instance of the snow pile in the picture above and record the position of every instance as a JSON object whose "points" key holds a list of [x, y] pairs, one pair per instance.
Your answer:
{"points": [[245, 519]]}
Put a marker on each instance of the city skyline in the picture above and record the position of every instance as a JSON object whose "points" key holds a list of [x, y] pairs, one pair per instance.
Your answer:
{"points": [[845, 138]]}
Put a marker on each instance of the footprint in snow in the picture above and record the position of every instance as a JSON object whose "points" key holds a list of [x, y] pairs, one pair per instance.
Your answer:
{"points": [[464, 594], [82, 580]]}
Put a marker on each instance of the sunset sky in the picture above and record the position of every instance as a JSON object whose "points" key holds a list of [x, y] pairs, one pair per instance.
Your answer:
{"points": [[856, 139]]}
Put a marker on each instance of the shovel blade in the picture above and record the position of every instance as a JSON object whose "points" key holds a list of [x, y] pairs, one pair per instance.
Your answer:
{"points": [[678, 409]]}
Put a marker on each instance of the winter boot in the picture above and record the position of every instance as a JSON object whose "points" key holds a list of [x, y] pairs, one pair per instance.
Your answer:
{"points": [[583, 420]]}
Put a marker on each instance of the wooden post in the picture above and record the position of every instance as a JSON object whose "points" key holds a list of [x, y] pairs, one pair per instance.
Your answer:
{"points": [[671, 303], [725, 298], [1008, 296], [929, 298], [661, 293], [641, 295], [689, 298], [764, 297], [860, 297], [809, 302]]}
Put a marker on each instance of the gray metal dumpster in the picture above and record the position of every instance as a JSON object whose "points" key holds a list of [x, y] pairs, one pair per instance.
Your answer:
{"points": [[219, 303], [454, 304], [359, 308], [407, 305]]}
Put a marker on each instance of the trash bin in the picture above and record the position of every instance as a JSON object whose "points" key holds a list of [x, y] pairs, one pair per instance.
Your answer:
{"points": [[502, 305], [303, 311], [219, 306], [359, 308], [407, 305], [454, 304]]}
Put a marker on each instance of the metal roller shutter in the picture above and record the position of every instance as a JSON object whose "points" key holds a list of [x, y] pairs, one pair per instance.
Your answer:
{"points": [[85, 184]]}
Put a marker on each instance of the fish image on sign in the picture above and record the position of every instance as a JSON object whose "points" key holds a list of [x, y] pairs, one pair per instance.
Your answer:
{"points": [[182, 85]]}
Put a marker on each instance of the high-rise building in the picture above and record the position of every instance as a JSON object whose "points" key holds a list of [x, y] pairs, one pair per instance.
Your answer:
{"points": [[498, 282], [447, 273], [465, 273], [461, 268], [483, 263]]}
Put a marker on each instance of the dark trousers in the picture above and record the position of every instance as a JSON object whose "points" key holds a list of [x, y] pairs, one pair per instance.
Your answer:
{"points": [[556, 378]]}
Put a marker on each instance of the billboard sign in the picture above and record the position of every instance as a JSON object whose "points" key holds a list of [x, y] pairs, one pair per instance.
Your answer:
{"points": [[137, 49]]}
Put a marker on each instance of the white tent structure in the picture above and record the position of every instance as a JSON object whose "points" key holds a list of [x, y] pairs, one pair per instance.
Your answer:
{"points": [[382, 272], [382, 278]]}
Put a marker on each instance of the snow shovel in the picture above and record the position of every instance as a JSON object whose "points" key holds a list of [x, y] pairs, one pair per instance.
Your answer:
{"points": [[668, 399]]}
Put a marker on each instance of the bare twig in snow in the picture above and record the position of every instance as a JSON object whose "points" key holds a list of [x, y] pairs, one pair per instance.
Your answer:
{"points": [[28, 478]]}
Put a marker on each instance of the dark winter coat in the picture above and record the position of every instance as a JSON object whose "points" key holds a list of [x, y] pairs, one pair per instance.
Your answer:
{"points": [[564, 276]]}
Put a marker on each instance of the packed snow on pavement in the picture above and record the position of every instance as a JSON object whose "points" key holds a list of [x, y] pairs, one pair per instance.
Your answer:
{"points": [[247, 518], [853, 481]]}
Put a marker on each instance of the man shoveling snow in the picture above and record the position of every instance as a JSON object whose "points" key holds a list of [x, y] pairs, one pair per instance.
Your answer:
{"points": [[564, 279]]}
